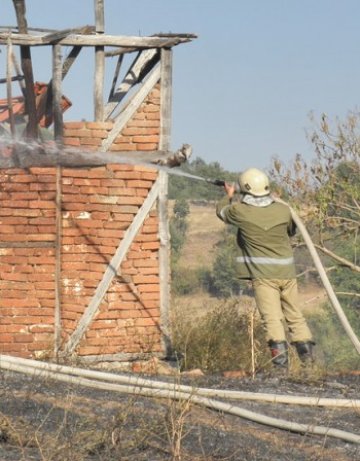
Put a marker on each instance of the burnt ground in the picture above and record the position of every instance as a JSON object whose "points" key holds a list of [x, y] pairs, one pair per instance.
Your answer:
{"points": [[49, 421]]}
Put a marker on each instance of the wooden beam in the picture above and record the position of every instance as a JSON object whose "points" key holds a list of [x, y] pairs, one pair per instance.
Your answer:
{"points": [[99, 64], [145, 59], [132, 106], [69, 60], [17, 78], [26, 64], [18, 74], [95, 40], [116, 76], [119, 51], [56, 94], [112, 270], [56, 36], [164, 251], [8, 86], [57, 314]]}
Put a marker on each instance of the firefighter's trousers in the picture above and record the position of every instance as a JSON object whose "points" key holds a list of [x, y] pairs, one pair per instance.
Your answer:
{"points": [[277, 302]]}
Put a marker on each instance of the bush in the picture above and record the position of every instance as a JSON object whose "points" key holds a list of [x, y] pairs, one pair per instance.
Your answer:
{"points": [[221, 339], [334, 350], [225, 282], [187, 281]]}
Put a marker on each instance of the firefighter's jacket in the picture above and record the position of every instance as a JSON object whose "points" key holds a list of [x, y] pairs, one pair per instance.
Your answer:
{"points": [[263, 238]]}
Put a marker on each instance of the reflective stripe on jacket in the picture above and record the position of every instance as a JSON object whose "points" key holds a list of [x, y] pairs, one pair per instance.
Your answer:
{"points": [[263, 238]]}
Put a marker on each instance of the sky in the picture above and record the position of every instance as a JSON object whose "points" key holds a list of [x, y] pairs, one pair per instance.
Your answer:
{"points": [[243, 91]]}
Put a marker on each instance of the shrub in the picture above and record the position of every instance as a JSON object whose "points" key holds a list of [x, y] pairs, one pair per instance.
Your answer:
{"points": [[187, 281], [334, 350], [221, 339]]}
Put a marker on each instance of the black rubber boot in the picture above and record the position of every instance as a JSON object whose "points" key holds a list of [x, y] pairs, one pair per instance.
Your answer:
{"points": [[305, 351], [279, 353]]}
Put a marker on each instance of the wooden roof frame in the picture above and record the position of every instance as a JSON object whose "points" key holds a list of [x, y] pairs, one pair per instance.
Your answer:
{"points": [[147, 58]]}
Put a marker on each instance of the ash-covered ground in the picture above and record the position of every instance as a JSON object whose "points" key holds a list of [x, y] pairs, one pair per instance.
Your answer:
{"points": [[41, 419]]}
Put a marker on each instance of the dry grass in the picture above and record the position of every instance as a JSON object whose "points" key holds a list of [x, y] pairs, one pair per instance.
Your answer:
{"points": [[204, 231]]}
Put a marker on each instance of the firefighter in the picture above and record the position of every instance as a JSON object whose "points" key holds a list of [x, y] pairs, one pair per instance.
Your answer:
{"points": [[266, 258]]}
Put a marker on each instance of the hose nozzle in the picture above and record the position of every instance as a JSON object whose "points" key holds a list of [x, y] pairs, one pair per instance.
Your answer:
{"points": [[221, 183], [216, 182]]}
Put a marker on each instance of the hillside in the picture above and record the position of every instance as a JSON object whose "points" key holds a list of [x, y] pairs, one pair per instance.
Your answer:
{"points": [[204, 231]]}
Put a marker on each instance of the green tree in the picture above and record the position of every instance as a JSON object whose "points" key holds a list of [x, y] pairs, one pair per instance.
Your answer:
{"points": [[181, 208], [178, 227], [327, 194], [225, 282]]}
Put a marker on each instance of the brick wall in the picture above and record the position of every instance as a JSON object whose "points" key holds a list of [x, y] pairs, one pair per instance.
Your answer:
{"points": [[98, 205]]}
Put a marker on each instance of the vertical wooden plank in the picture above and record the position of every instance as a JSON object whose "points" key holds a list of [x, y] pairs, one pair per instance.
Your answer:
{"points": [[19, 74], [26, 64], [164, 252], [58, 240], [56, 94], [58, 133], [99, 64], [8, 86], [116, 76]]}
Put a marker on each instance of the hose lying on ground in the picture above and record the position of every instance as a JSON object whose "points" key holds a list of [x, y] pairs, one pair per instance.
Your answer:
{"points": [[151, 383], [324, 278], [172, 393]]}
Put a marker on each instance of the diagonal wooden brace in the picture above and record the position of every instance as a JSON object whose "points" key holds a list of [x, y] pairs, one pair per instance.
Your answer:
{"points": [[112, 269]]}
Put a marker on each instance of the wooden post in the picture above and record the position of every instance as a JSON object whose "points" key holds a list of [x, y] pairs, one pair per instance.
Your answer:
{"points": [[56, 94], [8, 86], [58, 240], [99, 64], [164, 252], [26, 64], [58, 133], [19, 75]]}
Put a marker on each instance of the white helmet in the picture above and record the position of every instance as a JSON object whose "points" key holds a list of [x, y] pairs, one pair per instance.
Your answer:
{"points": [[254, 182]]}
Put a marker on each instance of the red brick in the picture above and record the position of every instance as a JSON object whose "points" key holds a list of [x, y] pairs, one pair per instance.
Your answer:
{"points": [[45, 178], [41, 346], [151, 295], [74, 125], [23, 338], [153, 116], [147, 322], [6, 338], [148, 288], [77, 133], [25, 178], [71, 141], [145, 139], [90, 141], [41, 204], [123, 146], [47, 186], [150, 245], [11, 348], [147, 238], [99, 125], [147, 146]]}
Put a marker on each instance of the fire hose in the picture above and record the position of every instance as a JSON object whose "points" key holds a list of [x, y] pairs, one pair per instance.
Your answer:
{"points": [[149, 388]]}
